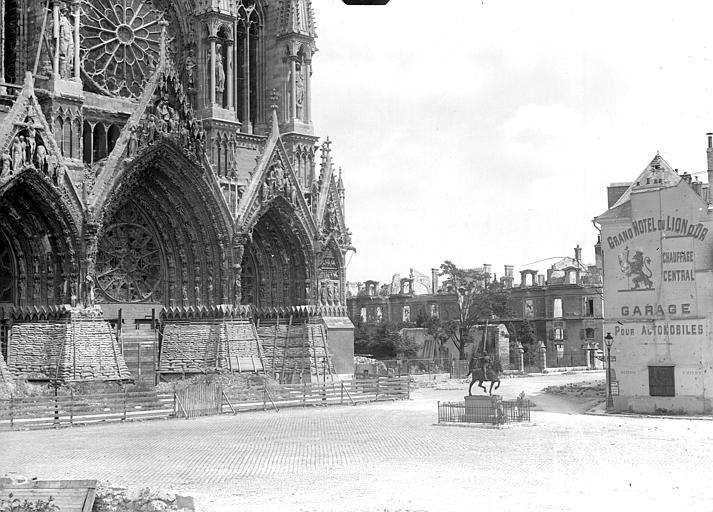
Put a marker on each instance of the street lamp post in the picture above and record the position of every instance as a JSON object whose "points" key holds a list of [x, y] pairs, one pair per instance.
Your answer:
{"points": [[609, 341]]}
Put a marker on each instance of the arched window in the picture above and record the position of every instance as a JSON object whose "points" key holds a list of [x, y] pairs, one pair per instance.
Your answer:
{"points": [[59, 133], [87, 140], [248, 69], [99, 149], [67, 137], [76, 136], [10, 31], [113, 137], [222, 63]]}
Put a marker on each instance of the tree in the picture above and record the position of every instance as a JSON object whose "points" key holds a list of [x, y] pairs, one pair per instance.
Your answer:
{"points": [[383, 341], [480, 299], [526, 335]]}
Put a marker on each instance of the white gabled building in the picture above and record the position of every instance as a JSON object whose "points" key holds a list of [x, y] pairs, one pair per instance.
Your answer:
{"points": [[657, 242]]}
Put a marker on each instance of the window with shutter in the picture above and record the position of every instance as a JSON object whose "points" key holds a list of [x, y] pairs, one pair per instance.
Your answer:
{"points": [[661, 381]]}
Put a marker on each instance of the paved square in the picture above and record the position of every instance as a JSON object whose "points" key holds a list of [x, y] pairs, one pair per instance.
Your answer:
{"points": [[392, 456]]}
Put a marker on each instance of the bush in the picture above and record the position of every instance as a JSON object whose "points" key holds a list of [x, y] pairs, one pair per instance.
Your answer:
{"points": [[16, 505]]}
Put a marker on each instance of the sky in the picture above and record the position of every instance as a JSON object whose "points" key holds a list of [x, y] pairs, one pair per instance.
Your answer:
{"points": [[488, 131]]}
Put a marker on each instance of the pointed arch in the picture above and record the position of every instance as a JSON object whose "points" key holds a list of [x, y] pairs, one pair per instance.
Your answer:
{"points": [[177, 220], [43, 238], [276, 266]]}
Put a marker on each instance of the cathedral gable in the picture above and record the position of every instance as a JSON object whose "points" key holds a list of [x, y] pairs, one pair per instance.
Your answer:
{"points": [[273, 178], [165, 115], [27, 145]]}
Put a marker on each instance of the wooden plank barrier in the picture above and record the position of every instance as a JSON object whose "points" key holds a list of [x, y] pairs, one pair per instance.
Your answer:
{"points": [[203, 399]]}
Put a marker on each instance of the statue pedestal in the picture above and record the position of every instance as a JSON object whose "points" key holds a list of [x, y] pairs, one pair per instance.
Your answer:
{"points": [[66, 87], [483, 409]]}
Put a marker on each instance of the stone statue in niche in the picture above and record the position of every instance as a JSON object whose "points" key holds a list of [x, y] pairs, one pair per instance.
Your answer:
{"points": [[31, 141], [66, 44], [323, 294], [331, 292], [18, 153], [210, 290], [133, 142], [219, 74], [237, 287], [190, 66], [73, 293], [300, 91], [41, 158], [184, 293], [88, 291], [197, 291], [6, 165]]}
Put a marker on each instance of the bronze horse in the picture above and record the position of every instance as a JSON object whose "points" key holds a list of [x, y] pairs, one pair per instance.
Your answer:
{"points": [[482, 369]]}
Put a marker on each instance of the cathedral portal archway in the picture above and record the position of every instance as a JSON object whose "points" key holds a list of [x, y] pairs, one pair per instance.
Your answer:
{"points": [[276, 263], [164, 238], [39, 243]]}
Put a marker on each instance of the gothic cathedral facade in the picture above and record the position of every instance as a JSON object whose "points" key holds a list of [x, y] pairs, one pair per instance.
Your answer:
{"points": [[161, 154]]}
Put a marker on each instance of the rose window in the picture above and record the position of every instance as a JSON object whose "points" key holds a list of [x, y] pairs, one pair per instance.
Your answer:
{"points": [[128, 264], [121, 43]]}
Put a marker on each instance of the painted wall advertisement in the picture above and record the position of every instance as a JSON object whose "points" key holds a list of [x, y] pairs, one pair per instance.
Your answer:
{"points": [[652, 280]]}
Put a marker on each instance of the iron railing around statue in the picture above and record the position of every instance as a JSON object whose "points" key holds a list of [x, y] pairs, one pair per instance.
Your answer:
{"points": [[495, 411]]}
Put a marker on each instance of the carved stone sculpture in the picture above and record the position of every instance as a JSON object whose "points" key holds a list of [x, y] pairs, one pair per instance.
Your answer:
{"points": [[133, 142], [219, 75], [6, 165], [41, 158], [18, 154], [190, 66], [66, 45]]}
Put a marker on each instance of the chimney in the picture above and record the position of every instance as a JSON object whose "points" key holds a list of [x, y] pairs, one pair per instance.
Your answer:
{"points": [[687, 177], [697, 186], [598, 254], [540, 280], [509, 278], [578, 254], [523, 278], [434, 280]]}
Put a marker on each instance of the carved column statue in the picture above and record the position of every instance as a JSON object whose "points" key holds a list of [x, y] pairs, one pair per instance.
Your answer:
{"points": [[300, 93], [239, 243], [64, 34], [293, 86], [219, 75], [91, 243], [190, 66]]}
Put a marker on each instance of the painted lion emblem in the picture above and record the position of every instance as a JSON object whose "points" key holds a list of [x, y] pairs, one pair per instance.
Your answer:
{"points": [[637, 268]]}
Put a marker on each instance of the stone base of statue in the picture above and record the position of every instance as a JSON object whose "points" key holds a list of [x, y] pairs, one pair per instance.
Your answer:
{"points": [[66, 87], [483, 409], [217, 112]]}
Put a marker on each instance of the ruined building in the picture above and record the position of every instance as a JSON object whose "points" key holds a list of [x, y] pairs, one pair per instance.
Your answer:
{"points": [[160, 155]]}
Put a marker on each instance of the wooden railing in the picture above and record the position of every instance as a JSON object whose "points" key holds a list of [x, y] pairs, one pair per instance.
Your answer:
{"points": [[73, 409], [70, 409]]}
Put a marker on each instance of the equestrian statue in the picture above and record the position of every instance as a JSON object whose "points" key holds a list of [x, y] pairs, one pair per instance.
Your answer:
{"points": [[483, 369]]}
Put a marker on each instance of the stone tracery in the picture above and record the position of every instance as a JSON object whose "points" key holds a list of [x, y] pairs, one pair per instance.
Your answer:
{"points": [[129, 260], [121, 42]]}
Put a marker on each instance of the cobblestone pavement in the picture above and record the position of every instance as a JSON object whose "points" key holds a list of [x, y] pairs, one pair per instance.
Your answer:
{"points": [[391, 456]]}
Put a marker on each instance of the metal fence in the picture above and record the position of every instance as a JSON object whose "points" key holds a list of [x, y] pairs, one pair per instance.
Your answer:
{"points": [[496, 412]]}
